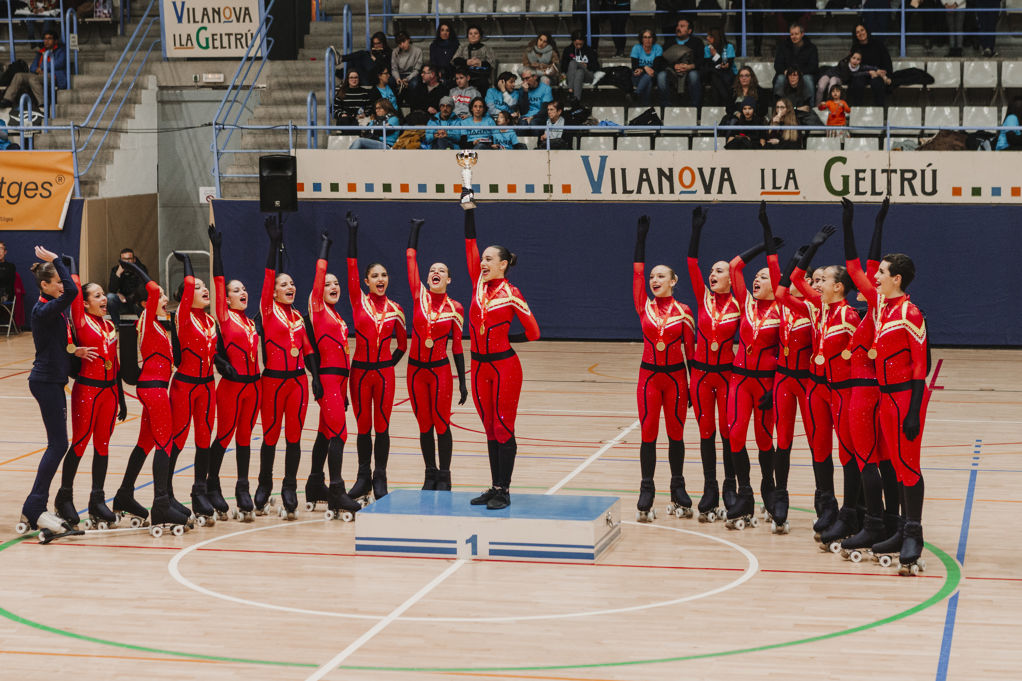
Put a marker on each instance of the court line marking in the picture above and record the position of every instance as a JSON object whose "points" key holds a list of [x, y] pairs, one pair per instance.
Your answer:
{"points": [[599, 452]]}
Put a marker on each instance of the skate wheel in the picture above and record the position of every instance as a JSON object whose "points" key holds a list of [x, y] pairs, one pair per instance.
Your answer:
{"points": [[21, 528], [103, 525], [740, 524], [222, 516], [855, 556], [835, 547], [329, 515], [156, 531], [201, 521], [885, 561], [235, 515], [310, 506], [136, 522], [178, 530], [773, 527], [922, 564], [754, 521], [88, 523], [347, 516], [281, 513]]}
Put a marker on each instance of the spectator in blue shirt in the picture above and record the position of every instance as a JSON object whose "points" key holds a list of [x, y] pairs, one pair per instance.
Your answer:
{"points": [[1011, 139], [503, 96], [505, 138], [384, 114], [647, 61], [719, 66], [477, 137], [441, 138], [533, 99], [382, 76]]}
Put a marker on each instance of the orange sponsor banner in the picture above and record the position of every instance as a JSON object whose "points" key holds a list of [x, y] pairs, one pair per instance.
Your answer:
{"points": [[35, 189]]}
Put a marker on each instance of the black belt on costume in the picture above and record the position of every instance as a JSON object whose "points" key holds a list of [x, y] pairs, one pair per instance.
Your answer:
{"points": [[242, 378], [493, 356], [275, 373], [196, 380], [794, 373], [152, 384], [94, 382], [358, 364], [855, 383], [428, 365], [710, 368], [663, 368], [816, 378], [333, 371], [896, 387], [753, 373]]}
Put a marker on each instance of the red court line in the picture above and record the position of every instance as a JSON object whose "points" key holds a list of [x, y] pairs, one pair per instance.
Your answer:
{"points": [[17, 373], [109, 657]]}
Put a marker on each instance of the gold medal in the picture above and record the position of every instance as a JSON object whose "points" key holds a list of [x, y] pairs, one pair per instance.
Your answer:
{"points": [[108, 365], [714, 346], [787, 351], [872, 354], [482, 329], [846, 354], [661, 346], [748, 350], [429, 342], [252, 356], [820, 359], [294, 352], [71, 347]]}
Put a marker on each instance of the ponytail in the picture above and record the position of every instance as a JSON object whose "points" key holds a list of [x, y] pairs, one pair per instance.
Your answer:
{"points": [[507, 255]]}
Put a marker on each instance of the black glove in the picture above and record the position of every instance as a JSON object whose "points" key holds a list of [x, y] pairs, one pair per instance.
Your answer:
{"points": [[312, 365], [186, 262], [751, 253], [413, 233], [470, 224], [847, 215], [640, 239], [122, 412], [790, 267], [225, 368], [352, 220], [324, 246], [875, 252], [911, 424], [69, 263], [698, 220], [766, 403], [518, 337], [814, 245], [398, 354], [216, 239], [273, 228], [459, 364], [137, 271], [769, 242]]}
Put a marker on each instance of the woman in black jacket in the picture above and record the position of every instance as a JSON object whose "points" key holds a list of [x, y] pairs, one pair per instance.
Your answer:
{"points": [[353, 101], [579, 63], [442, 49], [875, 54]]}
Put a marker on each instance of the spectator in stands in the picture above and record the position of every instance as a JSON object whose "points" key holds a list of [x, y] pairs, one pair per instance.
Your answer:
{"points": [[381, 77], [475, 137], [615, 11], [385, 115], [541, 55], [126, 291], [503, 96], [505, 138], [579, 64], [5, 142], [683, 61], [745, 139], [32, 81], [365, 62], [532, 106], [955, 15], [441, 138], [837, 111], [477, 57], [425, 94], [8, 274], [877, 60], [352, 101], [405, 62], [463, 92], [719, 67], [841, 73], [559, 139], [876, 22], [746, 86], [647, 62], [986, 24], [443, 49], [798, 51], [1011, 139], [671, 11], [794, 88], [782, 134]]}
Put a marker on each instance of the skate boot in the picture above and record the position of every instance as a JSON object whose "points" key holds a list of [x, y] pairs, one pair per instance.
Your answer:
{"points": [[379, 484], [288, 502], [680, 505], [205, 514], [127, 507], [729, 495], [889, 550], [708, 504], [742, 514], [502, 499], [430, 480], [315, 492], [443, 481], [645, 512], [362, 487], [100, 517], [167, 518], [216, 499], [484, 498], [845, 526], [779, 522], [263, 501], [767, 492], [64, 505], [340, 505], [826, 513], [858, 546], [52, 526], [911, 550], [245, 509]]}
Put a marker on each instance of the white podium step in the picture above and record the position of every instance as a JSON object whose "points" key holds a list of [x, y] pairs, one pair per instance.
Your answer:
{"points": [[534, 527]]}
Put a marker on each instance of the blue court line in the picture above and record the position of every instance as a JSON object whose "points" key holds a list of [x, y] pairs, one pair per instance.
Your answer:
{"points": [[963, 540]]}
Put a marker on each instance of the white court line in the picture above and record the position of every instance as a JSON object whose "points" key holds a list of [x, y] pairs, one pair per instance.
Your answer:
{"points": [[594, 457]]}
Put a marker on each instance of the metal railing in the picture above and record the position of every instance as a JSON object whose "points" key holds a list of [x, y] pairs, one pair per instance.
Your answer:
{"points": [[311, 115]]}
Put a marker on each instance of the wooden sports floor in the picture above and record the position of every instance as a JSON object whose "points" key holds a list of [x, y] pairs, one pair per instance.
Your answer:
{"points": [[673, 599]]}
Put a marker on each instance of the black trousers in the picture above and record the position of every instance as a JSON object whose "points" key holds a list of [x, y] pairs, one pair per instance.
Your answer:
{"points": [[53, 407]]}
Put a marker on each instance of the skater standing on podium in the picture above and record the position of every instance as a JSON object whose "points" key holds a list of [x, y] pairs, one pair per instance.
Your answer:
{"points": [[668, 340], [496, 370], [435, 320]]}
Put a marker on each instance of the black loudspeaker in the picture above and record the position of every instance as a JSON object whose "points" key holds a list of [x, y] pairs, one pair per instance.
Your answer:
{"points": [[278, 184]]}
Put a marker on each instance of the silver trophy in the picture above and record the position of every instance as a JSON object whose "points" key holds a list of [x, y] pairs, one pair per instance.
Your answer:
{"points": [[467, 159]]}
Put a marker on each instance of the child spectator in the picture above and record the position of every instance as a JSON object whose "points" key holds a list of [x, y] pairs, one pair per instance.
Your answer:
{"points": [[503, 96], [505, 138], [462, 93], [838, 110]]}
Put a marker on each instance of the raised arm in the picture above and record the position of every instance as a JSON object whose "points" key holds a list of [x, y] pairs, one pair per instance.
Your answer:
{"points": [[411, 256], [859, 278], [58, 305], [216, 240], [319, 280], [770, 244], [694, 275], [471, 247], [276, 234], [782, 289], [78, 304], [875, 244], [639, 266], [354, 284], [184, 310], [798, 276]]}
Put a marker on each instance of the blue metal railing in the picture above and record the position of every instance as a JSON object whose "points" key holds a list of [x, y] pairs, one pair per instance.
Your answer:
{"points": [[330, 79], [69, 28], [311, 114]]}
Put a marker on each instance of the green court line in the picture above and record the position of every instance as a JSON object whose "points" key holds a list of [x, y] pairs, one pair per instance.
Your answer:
{"points": [[951, 581]]}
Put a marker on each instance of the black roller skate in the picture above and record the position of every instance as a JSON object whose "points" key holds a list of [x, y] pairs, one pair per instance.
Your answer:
{"points": [[644, 508], [680, 505], [430, 480], [177, 505], [315, 491], [363, 486], [826, 513], [127, 507], [341, 505], [708, 503], [51, 526], [288, 502], [484, 498], [100, 517], [245, 509], [742, 513], [502, 499], [858, 546], [167, 518], [263, 501], [216, 499], [64, 505], [729, 496], [443, 481], [205, 514], [379, 484], [889, 550], [911, 550], [767, 492], [846, 525], [779, 522]]}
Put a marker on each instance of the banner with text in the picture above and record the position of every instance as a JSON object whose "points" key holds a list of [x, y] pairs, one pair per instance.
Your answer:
{"points": [[811, 176], [209, 29], [35, 189]]}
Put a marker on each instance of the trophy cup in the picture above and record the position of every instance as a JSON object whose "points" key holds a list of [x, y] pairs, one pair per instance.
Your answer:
{"points": [[467, 159]]}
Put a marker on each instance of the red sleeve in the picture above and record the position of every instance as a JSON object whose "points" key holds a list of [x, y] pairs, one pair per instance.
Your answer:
{"points": [[414, 282], [78, 304], [872, 267], [862, 282], [152, 305], [318, 282], [798, 277], [221, 298], [266, 297], [689, 333], [402, 336], [308, 348], [738, 280], [774, 270], [354, 284], [525, 315], [917, 340], [639, 286], [458, 331], [794, 304], [472, 258], [696, 277]]}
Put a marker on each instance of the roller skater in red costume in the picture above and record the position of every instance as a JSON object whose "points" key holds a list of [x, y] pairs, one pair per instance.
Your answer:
{"points": [[377, 319], [668, 340], [710, 366], [238, 392], [435, 319], [496, 370]]}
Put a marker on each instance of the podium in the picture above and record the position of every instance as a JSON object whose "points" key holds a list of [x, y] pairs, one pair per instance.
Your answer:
{"points": [[535, 527]]}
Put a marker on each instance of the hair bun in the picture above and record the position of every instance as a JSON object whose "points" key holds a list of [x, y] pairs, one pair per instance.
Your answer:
{"points": [[512, 260], [35, 267]]}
